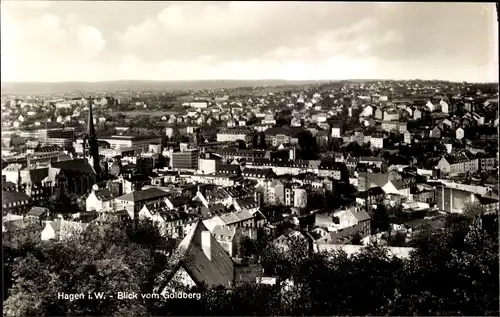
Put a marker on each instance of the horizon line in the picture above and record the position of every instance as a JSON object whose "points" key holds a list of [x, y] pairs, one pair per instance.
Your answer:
{"points": [[256, 80]]}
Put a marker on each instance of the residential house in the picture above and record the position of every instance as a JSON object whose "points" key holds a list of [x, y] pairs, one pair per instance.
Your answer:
{"points": [[296, 122], [15, 202], [295, 197], [352, 220], [337, 129], [479, 118], [377, 141], [459, 134], [294, 238], [430, 106], [486, 162], [228, 238], [175, 224], [391, 115], [100, 199], [458, 164], [408, 137], [367, 111], [244, 219], [397, 187], [62, 229], [445, 108], [251, 204], [134, 201], [435, 133], [417, 114], [200, 260], [373, 196]]}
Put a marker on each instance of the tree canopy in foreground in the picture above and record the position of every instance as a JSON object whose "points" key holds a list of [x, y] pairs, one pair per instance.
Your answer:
{"points": [[452, 272]]}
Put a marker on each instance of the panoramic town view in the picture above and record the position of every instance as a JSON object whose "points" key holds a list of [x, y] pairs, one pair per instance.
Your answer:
{"points": [[249, 159]]}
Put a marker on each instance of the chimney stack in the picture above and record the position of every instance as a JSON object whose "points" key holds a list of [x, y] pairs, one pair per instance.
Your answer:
{"points": [[206, 239]]}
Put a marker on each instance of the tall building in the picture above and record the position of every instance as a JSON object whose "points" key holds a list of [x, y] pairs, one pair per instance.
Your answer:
{"points": [[56, 136], [185, 160], [90, 145]]}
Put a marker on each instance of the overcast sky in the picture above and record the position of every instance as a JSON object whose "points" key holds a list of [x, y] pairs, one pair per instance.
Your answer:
{"points": [[96, 41]]}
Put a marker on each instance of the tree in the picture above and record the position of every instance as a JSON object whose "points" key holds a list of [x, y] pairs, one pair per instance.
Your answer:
{"points": [[356, 239], [103, 259], [397, 240], [451, 272], [16, 141], [247, 247]]}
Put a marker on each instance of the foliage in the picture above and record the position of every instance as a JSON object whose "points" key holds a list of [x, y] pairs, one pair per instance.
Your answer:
{"points": [[453, 271], [17, 141], [103, 259]]}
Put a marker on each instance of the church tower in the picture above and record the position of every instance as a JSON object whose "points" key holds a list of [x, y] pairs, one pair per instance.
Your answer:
{"points": [[90, 145]]}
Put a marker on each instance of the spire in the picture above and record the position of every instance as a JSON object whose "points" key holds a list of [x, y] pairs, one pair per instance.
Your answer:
{"points": [[91, 145], [90, 123]]}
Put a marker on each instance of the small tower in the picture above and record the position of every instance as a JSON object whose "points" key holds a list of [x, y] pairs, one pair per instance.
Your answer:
{"points": [[90, 145]]}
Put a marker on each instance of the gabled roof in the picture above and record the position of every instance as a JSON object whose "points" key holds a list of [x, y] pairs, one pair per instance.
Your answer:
{"points": [[223, 233], [11, 196], [229, 168], [38, 211], [142, 195], [258, 172], [235, 217], [360, 215], [219, 270], [8, 185], [179, 201], [34, 175], [79, 166]]}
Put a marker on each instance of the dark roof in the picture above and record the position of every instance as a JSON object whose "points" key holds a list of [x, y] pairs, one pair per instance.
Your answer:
{"points": [[146, 194], [10, 196], [486, 200], [216, 209], [36, 175], [79, 165], [247, 203], [38, 211], [8, 185], [229, 169], [360, 215], [179, 201], [338, 236], [219, 270], [374, 191], [258, 172]]}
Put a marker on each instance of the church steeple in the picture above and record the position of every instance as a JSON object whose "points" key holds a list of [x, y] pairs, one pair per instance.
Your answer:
{"points": [[90, 123], [91, 145]]}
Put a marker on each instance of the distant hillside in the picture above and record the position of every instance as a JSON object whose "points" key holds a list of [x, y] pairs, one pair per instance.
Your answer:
{"points": [[137, 85]]}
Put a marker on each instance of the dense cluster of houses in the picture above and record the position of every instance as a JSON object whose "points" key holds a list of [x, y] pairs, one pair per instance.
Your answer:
{"points": [[243, 163]]}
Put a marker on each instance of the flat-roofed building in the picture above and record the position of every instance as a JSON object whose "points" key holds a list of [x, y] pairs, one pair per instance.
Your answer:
{"points": [[185, 160], [140, 143], [46, 135]]}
